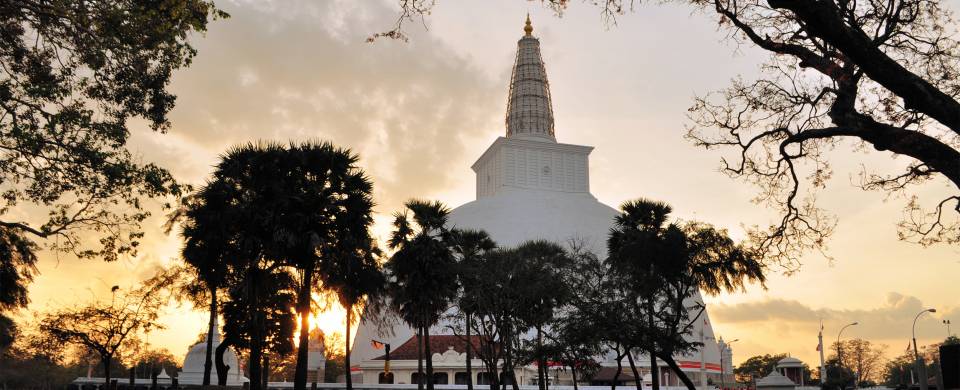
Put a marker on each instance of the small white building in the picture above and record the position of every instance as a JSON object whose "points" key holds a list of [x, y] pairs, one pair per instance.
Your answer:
{"points": [[193, 364]]}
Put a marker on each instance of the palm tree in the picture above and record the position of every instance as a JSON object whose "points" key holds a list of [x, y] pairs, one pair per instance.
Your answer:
{"points": [[274, 323], [203, 251], [636, 250], [323, 192], [661, 265], [249, 185], [423, 268], [469, 246], [545, 262], [358, 280]]}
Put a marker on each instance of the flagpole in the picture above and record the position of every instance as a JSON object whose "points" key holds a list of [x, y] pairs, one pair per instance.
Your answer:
{"points": [[823, 368]]}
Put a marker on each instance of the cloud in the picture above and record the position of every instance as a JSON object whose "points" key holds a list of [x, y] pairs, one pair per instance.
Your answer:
{"points": [[304, 71], [892, 320]]}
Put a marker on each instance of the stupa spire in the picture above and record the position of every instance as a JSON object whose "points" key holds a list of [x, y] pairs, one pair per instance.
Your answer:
{"points": [[529, 107]]}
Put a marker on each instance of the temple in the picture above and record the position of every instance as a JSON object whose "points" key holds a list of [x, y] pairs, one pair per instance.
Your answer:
{"points": [[528, 186]]}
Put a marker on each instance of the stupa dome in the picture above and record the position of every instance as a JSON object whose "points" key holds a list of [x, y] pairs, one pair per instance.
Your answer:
{"points": [[789, 361], [193, 364]]}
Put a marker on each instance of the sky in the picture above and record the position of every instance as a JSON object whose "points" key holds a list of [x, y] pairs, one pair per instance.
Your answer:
{"points": [[420, 112]]}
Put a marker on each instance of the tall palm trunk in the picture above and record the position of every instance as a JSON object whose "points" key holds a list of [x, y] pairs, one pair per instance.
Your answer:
{"points": [[346, 356], [654, 368], [508, 365], [541, 378], [208, 359], [469, 355], [429, 356], [419, 358], [256, 334], [303, 348]]}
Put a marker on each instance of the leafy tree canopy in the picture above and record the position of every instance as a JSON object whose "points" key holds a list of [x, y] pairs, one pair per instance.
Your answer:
{"points": [[72, 76]]}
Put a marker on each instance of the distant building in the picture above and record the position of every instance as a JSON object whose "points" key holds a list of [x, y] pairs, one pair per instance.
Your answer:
{"points": [[775, 381], [792, 368], [193, 363], [193, 366]]}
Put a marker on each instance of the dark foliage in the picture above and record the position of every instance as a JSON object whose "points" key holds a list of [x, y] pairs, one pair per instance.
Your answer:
{"points": [[72, 76]]}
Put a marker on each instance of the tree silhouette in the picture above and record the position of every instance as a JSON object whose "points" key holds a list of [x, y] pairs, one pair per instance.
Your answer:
{"points": [[17, 267], [663, 266], [469, 246], [305, 206], [546, 289], [642, 248], [423, 268], [270, 328], [107, 328], [246, 182], [72, 76], [327, 211], [206, 251], [356, 276]]}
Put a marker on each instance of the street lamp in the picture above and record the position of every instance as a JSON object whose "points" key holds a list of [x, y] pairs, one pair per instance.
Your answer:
{"points": [[921, 366], [840, 349], [947, 323], [723, 375]]}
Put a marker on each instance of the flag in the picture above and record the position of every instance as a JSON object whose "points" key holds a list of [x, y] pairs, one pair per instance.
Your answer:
{"points": [[376, 344], [818, 347]]}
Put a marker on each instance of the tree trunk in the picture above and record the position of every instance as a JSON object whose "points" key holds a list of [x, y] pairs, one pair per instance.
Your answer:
{"points": [[573, 372], [346, 357], [654, 370], [419, 358], [222, 368], [429, 356], [508, 366], [540, 376], [637, 379], [208, 359], [106, 370], [266, 369], [616, 375], [256, 335], [303, 306], [469, 356], [683, 377]]}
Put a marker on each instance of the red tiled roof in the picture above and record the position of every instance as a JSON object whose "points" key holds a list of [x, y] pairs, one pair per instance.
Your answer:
{"points": [[606, 374], [438, 344]]}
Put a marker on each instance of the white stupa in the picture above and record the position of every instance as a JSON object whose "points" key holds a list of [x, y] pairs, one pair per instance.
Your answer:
{"points": [[192, 373], [529, 187]]}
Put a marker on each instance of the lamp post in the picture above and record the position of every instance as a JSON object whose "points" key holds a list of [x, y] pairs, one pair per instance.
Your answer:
{"points": [[947, 323], [840, 350], [723, 375], [921, 366]]}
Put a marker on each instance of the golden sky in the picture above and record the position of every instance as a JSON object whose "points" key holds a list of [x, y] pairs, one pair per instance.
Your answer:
{"points": [[419, 113]]}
